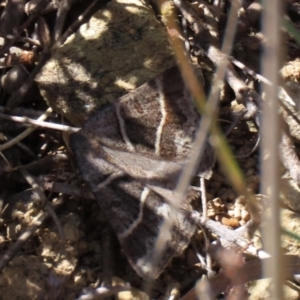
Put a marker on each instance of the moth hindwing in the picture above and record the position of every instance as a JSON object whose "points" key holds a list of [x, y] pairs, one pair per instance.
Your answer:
{"points": [[130, 153]]}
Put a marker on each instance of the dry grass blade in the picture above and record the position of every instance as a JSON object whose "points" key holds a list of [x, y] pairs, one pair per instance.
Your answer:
{"points": [[270, 152]]}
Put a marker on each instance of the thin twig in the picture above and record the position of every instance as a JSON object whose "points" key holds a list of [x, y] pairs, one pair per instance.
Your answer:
{"points": [[25, 133], [38, 123], [282, 93], [16, 98], [22, 39], [36, 186], [229, 235], [63, 9], [203, 197], [27, 23], [26, 112], [103, 292], [22, 146], [68, 189], [77, 23]]}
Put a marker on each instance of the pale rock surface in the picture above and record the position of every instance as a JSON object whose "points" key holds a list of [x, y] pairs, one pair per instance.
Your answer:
{"points": [[132, 294], [290, 73], [290, 221], [260, 289], [121, 47], [290, 194]]}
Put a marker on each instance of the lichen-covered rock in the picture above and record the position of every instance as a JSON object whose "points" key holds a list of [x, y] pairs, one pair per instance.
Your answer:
{"points": [[121, 47], [290, 194]]}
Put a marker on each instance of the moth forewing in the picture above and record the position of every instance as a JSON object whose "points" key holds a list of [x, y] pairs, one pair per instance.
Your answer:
{"points": [[134, 209], [131, 154], [146, 169], [158, 119]]}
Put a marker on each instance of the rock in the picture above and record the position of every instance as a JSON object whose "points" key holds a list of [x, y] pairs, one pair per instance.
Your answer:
{"points": [[290, 194], [290, 221], [132, 294], [260, 289], [290, 74], [121, 47]]}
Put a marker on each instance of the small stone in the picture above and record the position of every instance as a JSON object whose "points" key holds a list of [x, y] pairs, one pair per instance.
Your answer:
{"points": [[132, 294], [290, 194], [250, 172], [245, 215], [231, 196]]}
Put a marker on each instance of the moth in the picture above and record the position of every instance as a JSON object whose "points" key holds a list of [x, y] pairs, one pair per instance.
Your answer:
{"points": [[131, 154]]}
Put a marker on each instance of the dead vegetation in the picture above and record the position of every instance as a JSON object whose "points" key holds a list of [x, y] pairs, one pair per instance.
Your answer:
{"points": [[55, 242]]}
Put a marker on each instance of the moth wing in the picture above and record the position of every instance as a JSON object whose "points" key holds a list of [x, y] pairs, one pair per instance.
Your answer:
{"points": [[121, 149], [158, 119], [146, 169], [134, 210]]}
